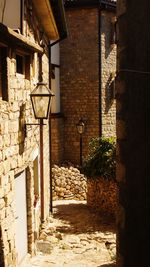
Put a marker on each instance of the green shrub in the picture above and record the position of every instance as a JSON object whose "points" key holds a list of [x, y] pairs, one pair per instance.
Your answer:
{"points": [[101, 161]]}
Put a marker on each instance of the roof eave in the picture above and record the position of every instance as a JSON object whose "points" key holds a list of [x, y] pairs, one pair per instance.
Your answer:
{"points": [[46, 17], [59, 14]]}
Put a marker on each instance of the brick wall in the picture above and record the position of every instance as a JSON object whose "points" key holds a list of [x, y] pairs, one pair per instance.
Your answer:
{"points": [[80, 80], [57, 138]]}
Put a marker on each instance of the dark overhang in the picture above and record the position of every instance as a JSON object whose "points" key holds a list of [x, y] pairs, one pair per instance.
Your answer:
{"points": [[104, 4], [59, 15], [80, 3], [108, 4]]}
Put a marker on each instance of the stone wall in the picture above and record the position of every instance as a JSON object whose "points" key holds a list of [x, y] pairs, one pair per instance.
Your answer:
{"points": [[15, 153], [17, 150], [108, 71], [68, 183], [102, 195]]}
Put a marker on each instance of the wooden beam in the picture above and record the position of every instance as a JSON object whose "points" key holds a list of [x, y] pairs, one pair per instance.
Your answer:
{"points": [[8, 36]]}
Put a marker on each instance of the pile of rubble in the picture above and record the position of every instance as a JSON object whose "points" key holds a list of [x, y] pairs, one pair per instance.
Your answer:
{"points": [[68, 183]]}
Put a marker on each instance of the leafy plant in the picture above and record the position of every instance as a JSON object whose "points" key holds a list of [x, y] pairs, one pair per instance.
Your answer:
{"points": [[101, 160]]}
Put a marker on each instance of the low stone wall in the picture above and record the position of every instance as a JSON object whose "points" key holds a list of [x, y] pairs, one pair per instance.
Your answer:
{"points": [[102, 195], [68, 183]]}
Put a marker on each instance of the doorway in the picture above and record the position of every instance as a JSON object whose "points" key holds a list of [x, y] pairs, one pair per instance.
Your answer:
{"points": [[21, 216]]}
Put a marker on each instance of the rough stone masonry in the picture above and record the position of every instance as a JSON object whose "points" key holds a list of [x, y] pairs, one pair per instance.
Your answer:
{"points": [[68, 183]]}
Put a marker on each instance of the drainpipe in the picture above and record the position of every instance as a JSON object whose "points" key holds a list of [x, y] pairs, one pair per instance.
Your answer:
{"points": [[100, 68], [21, 16], [40, 78], [50, 131], [50, 137], [41, 149]]}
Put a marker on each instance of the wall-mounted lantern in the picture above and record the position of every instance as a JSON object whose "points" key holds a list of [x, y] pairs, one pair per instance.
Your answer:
{"points": [[41, 98], [80, 129], [80, 126]]}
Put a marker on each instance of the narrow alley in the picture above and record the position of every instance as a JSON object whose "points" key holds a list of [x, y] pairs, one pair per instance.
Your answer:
{"points": [[75, 236]]}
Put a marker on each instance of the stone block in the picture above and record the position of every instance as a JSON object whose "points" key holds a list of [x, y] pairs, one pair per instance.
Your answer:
{"points": [[9, 259], [11, 176], [7, 188], [9, 198], [7, 166], [1, 191], [13, 164], [1, 147], [2, 203], [6, 153], [2, 214], [13, 126], [1, 168], [44, 246]]}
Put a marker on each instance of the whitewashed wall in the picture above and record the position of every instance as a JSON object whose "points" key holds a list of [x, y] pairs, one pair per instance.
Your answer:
{"points": [[55, 83], [10, 14]]}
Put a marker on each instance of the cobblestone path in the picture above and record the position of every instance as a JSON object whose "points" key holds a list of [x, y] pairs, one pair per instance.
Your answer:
{"points": [[75, 236]]}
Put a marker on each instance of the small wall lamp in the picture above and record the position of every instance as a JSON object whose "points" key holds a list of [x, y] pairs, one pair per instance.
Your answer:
{"points": [[80, 128]]}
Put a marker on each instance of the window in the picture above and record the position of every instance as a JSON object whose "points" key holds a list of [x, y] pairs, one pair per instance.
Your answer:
{"points": [[55, 86], [52, 71], [27, 67], [23, 65], [19, 64], [3, 74], [113, 37]]}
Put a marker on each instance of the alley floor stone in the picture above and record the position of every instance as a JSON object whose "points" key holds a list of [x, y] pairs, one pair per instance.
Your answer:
{"points": [[75, 236]]}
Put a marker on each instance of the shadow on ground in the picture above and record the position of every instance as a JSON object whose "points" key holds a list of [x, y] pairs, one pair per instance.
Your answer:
{"points": [[78, 218], [108, 265]]}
